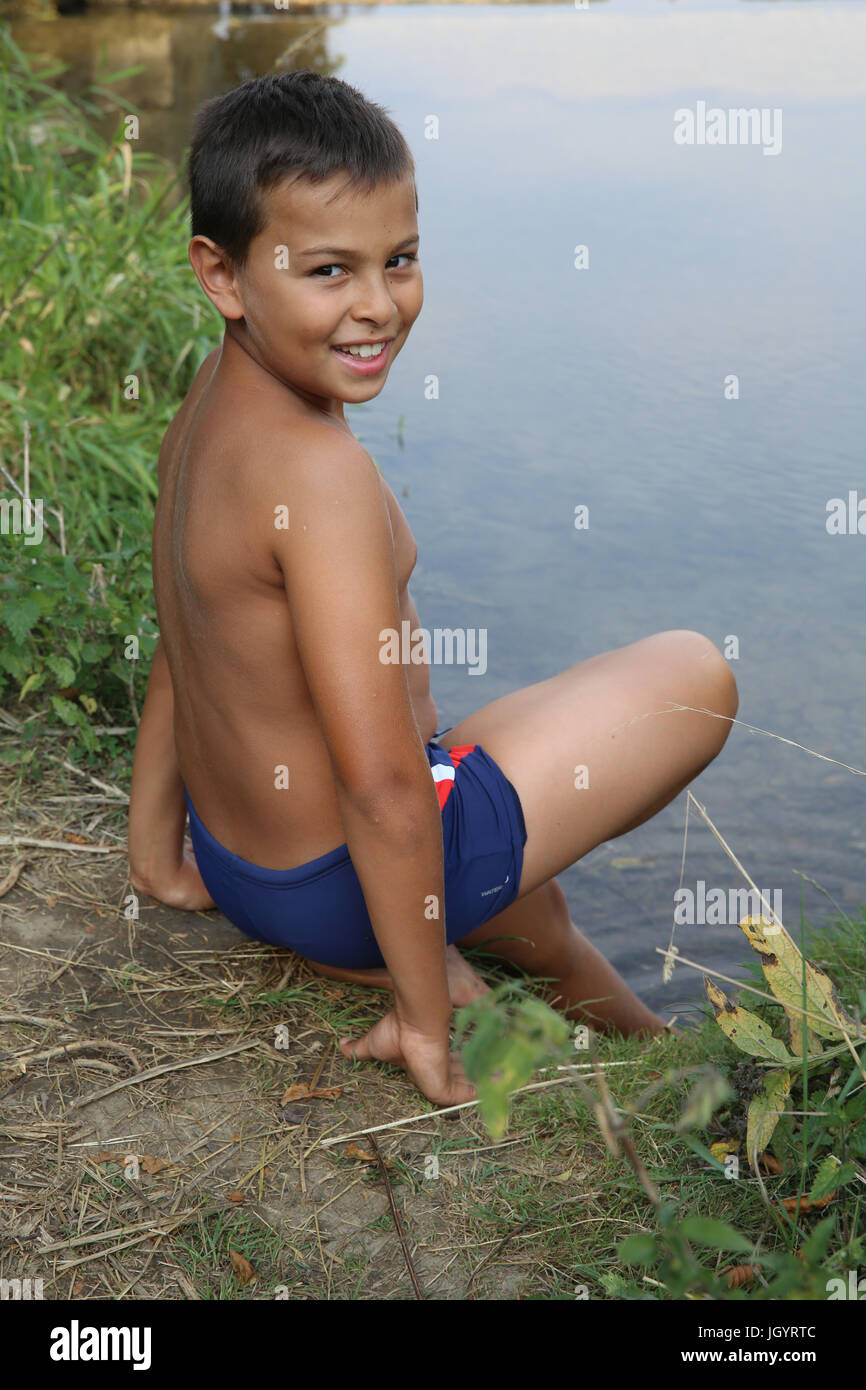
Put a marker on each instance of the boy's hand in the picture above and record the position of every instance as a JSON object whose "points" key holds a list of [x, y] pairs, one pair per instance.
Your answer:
{"points": [[437, 1072]]}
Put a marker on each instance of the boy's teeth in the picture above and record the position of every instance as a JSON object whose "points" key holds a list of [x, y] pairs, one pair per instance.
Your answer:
{"points": [[363, 350]]}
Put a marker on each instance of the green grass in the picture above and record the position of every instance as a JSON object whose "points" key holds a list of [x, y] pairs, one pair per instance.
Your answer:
{"points": [[204, 1252], [104, 327], [578, 1240]]}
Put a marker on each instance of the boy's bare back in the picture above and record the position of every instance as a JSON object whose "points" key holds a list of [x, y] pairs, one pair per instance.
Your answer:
{"points": [[239, 449], [269, 699]]}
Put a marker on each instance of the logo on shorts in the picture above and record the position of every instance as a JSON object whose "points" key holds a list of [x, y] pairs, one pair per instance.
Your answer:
{"points": [[498, 889]]}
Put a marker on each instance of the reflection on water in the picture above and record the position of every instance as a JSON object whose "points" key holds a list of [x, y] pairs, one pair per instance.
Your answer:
{"points": [[187, 57], [604, 387]]}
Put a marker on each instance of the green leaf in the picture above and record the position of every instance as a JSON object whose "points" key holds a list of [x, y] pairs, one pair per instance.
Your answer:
{"points": [[20, 615], [816, 1247], [765, 1109], [544, 1023], [637, 1249], [826, 1179], [705, 1230], [62, 669], [486, 1032], [857, 1142], [831, 1175], [855, 1108], [47, 575], [67, 711], [95, 651], [13, 663]]}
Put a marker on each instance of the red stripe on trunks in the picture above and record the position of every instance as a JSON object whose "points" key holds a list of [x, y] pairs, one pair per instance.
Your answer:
{"points": [[444, 785]]}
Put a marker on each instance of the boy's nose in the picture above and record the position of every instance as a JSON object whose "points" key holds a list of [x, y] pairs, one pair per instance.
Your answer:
{"points": [[375, 302]]}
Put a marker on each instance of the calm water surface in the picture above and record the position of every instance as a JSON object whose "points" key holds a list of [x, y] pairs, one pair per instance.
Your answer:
{"points": [[605, 386]]}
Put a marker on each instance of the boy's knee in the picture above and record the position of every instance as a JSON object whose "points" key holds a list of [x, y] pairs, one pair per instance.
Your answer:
{"points": [[697, 654]]}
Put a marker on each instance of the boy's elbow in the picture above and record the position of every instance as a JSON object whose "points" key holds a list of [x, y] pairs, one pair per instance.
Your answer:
{"points": [[389, 795]]}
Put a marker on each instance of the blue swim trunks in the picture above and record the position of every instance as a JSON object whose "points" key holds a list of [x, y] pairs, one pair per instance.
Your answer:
{"points": [[318, 909]]}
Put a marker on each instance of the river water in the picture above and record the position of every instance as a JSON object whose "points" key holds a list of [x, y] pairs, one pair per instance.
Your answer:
{"points": [[605, 386]]}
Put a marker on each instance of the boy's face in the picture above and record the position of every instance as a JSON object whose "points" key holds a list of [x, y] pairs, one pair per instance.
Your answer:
{"points": [[300, 304]]}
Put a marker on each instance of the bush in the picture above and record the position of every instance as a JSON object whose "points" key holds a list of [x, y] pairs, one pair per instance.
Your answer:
{"points": [[104, 332]]}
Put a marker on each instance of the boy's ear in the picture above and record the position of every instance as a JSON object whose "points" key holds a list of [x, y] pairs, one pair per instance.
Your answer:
{"points": [[216, 276]]}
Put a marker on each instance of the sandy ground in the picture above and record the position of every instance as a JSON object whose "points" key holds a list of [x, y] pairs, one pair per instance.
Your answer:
{"points": [[146, 1134]]}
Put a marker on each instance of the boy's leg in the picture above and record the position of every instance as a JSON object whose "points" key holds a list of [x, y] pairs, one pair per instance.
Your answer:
{"points": [[537, 934], [611, 715]]}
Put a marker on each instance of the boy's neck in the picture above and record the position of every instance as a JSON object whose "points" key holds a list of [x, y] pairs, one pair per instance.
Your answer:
{"points": [[236, 333]]}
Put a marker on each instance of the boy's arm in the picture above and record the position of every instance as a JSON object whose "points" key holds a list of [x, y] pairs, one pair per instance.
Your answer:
{"points": [[337, 558], [158, 864]]}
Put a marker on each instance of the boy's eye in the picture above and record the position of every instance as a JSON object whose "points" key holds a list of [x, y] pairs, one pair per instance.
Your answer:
{"points": [[403, 255]]}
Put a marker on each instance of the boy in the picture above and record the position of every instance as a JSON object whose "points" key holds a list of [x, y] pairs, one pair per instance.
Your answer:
{"points": [[323, 816]]}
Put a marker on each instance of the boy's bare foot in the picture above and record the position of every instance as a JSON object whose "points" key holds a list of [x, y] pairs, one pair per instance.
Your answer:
{"points": [[464, 984]]}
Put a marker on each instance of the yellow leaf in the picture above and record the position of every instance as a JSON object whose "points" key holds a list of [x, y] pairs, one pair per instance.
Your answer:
{"points": [[795, 1031], [765, 1108], [33, 677], [783, 966], [745, 1030], [723, 1147]]}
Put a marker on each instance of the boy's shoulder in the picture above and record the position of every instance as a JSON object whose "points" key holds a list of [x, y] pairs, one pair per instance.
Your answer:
{"points": [[274, 452]]}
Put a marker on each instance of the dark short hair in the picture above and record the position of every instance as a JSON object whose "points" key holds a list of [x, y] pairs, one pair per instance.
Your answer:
{"points": [[286, 126]]}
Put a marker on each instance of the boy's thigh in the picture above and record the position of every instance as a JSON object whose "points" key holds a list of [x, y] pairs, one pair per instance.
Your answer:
{"points": [[588, 749]]}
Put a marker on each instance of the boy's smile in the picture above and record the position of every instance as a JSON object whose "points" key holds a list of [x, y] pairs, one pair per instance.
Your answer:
{"points": [[331, 276]]}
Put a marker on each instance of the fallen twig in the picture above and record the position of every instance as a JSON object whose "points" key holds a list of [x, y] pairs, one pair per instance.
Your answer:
{"points": [[36, 1019], [398, 1225], [449, 1109], [17, 840], [68, 1049], [161, 1070]]}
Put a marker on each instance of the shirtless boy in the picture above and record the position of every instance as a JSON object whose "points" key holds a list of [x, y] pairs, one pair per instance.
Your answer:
{"points": [[323, 816]]}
